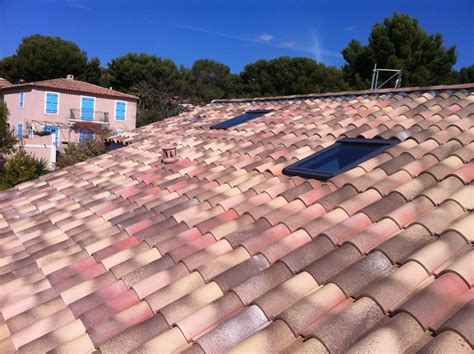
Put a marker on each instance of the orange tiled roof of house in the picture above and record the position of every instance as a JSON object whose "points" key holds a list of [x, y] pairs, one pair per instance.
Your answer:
{"points": [[220, 251], [4, 83], [73, 85]]}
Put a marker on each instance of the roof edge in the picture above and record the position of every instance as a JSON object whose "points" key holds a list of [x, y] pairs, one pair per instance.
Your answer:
{"points": [[348, 93], [40, 84]]}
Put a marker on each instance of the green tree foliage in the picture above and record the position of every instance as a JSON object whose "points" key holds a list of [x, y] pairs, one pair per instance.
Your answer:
{"points": [[21, 167], [75, 153], [399, 43], [464, 76], [43, 57], [92, 72], [7, 139], [209, 79], [126, 71], [288, 76]]}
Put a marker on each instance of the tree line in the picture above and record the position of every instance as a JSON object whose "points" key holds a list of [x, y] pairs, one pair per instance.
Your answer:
{"points": [[398, 43]]}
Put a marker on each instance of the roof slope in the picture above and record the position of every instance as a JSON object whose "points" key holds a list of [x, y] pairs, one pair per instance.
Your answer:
{"points": [[221, 252], [73, 86], [4, 83]]}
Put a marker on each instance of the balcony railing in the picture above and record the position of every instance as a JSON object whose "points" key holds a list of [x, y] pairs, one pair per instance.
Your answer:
{"points": [[89, 116]]}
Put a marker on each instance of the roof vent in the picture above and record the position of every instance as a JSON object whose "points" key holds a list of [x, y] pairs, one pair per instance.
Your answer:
{"points": [[169, 154], [70, 77]]}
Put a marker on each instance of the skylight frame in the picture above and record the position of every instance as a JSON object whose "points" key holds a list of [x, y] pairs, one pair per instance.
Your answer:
{"points": [[232, 122], [298, 169]]}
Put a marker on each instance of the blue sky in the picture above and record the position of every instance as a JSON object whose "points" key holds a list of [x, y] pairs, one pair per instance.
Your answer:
{"points": [[233, 32]]}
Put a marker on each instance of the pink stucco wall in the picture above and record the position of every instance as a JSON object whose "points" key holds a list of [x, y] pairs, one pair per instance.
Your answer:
{"points": [[42, 148], [34, 110]]}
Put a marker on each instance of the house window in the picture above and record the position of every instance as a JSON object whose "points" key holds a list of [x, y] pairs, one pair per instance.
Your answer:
{"points": [[20, 130], [339, 157], [249, 115], [120, 110], [52, 103], [22, 99], [87, 108], [86, 134]]}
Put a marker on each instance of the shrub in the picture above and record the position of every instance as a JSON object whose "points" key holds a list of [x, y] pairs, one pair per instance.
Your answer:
{"points": [[75, 153], [7, 139], [22, 167]]}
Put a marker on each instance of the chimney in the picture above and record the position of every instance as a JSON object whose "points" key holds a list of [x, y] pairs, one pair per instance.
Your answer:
{"points": [[70, 77], [169, 154]]}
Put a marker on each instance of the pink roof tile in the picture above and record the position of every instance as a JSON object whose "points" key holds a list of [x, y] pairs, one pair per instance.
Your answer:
{"points": [[221, 251]]}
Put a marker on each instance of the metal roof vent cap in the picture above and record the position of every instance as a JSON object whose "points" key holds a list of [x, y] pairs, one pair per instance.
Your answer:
{"points": [[169, 154], [70, 77]]}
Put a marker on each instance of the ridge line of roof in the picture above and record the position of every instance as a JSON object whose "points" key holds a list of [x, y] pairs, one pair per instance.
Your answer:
{"points": [[44, 84], [347, 93]]}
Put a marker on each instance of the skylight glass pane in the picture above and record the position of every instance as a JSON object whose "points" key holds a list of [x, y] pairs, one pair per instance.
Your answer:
{"points": [[340, 157], [249, 115]]}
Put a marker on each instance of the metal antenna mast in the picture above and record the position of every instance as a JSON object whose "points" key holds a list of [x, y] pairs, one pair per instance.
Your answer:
{"points": [[375, 78]]}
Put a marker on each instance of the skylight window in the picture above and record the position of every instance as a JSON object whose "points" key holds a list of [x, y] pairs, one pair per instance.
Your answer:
{"points": [[338, 158], [249, 115]]}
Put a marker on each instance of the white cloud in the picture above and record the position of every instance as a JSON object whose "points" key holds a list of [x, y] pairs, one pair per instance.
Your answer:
{"points": [[288, 44], [349, 28], [316, 47], [265, 37]]}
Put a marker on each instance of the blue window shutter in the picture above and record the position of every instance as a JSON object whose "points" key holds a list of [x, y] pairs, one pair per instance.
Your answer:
{"points": [[87, 111], [22, 98], [53, 129], [52, 102], [120, 110], [20, 130]]}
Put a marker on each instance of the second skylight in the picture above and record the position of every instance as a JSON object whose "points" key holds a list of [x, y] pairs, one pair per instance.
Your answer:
{"points": [[249, 115]]}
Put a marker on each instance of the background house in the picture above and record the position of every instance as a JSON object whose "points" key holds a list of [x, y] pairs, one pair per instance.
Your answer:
{"points": [[72, 110]]}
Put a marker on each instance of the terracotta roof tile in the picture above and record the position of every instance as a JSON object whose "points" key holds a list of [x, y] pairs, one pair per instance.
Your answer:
{"points": [[191, 302], [446, 341], [286, 245], [437, 220], [399, 334], [165, 342], [463, 226], [374, 235], [359, 274], [391, 289], [404, 243], [333, 262], [437, 252], [174, 291], [234, 330], [377, 210], [307, 254], [83, 341], [240, 272], [159, 280], [346, 323], [462, 266], [312, 308], [209, 316], [282, 296], [432, 306], [346, 229], [460, 322], [172, 257], [135, 336], [274, 337]]}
